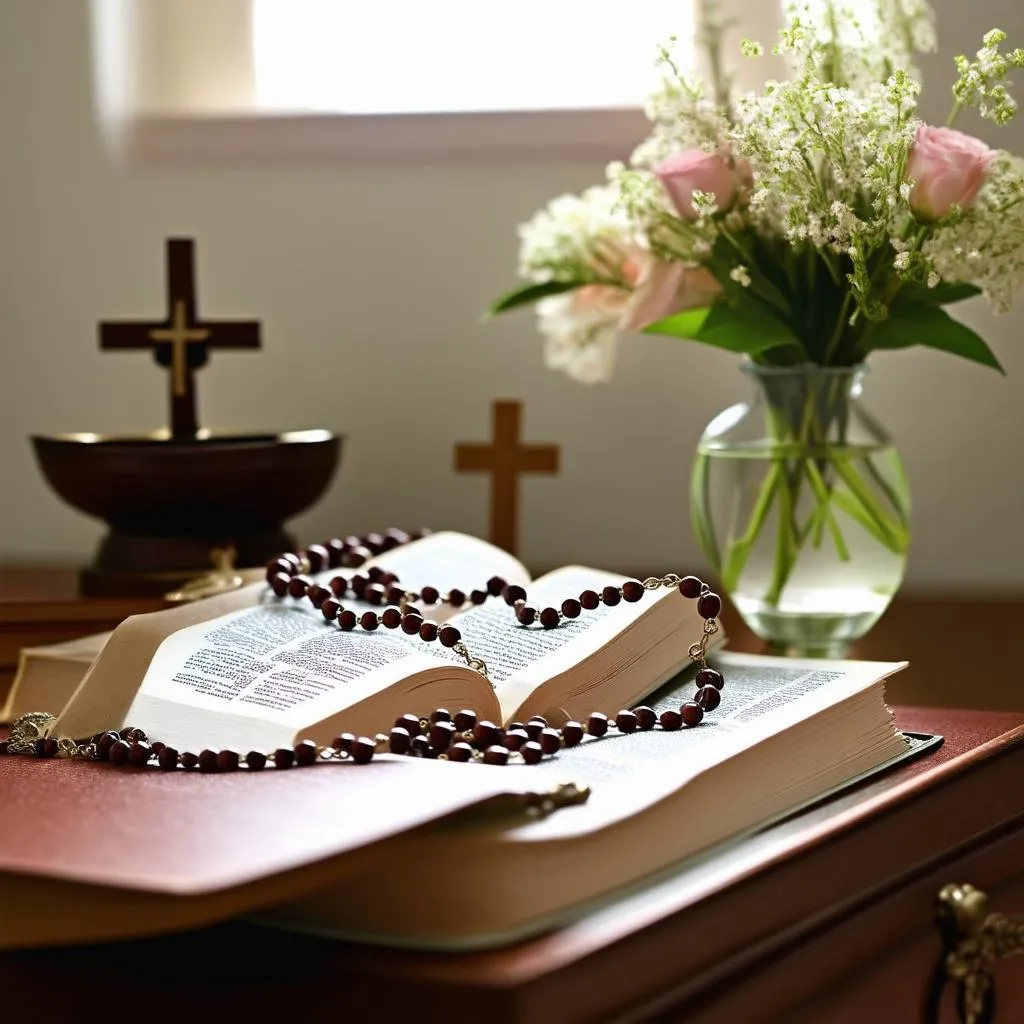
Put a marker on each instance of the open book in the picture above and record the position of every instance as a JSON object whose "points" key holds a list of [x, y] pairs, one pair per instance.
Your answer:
{"points": [[328, 850], [248, 670]]}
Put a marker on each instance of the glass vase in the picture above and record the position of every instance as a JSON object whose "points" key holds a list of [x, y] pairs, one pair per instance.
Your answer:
{"points": [[800, 503]]}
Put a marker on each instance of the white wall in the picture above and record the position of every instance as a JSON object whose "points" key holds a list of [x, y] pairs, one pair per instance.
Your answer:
{"points": [[370, 282]]}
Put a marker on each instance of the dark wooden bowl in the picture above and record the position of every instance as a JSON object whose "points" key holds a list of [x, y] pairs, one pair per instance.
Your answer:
{"points": [[167, 501]]}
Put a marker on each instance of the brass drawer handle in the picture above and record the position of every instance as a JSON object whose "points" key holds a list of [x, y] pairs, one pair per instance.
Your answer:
{"points": [[973, 938]]}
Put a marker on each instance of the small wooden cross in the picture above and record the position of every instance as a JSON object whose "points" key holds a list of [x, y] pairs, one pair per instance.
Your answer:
{"points": [[181, 342], [505, 458]]}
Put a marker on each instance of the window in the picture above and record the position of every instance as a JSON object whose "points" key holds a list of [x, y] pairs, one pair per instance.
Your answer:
{"points": [[421, 56], [298, 81]]}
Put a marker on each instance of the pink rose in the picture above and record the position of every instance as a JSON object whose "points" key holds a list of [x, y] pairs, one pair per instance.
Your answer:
{"points": [[682, 174], [947, 168], [665, 289]]}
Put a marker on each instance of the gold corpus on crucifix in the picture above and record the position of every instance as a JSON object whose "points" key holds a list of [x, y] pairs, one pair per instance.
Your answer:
{"points": [[182, 341], [179, 334], [505, 459]]}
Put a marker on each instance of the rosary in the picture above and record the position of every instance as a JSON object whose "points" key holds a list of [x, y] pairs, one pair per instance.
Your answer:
{"points": [[442, 735]]}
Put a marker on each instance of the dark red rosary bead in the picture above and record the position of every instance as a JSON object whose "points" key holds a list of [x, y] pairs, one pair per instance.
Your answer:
{"points": [[465, 720], [626, 721], [441, 735], [355, 557], [347, 619], [572, 734], [710, 677], [189, 760], [227, 761], [597, 724], [139, 754], [208, 761], [439, 715], [550, 741], [709, 605], [363, 750], [256, 760], [571, 608], [647, 718], [478, 596], [535, 726], [690, 586], [495, 755], [410, 723], [495, 586], [329, 609], [526, 615], [399, 740], [395, 595], [549, 618], [339, 586], [671, 720], [344, 742], [632, 590], [531, 752], [118, 753], [611, 596], [282, 565], [428, 631], [358, 584], [421, 746], [317, 595], [708, 697], [590, 599], [411, 623], [167, 759], [284, 757], [317, 556], [515, 738], [374, 593], [692, 713], [279, 583], [335, 549], [429, 595], [456, 598], [485, 733], [460, 751], [305, 753], [391, 618], [512, 593], [369, 621], [449, 636]]}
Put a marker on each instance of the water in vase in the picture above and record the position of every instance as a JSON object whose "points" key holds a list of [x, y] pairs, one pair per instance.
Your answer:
{"points": [[810, 543]]}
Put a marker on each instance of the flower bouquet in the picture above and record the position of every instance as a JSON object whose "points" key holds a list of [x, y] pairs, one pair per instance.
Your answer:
{"points": [[803, 227]]}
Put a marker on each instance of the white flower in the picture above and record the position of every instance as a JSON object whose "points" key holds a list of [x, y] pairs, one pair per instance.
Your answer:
{"points": [[581, 342], [741, 275]]}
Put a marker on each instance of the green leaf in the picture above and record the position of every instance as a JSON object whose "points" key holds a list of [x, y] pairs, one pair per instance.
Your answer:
{"points": [[932, 327], [944, 293], [742, 327], [526, 294]]}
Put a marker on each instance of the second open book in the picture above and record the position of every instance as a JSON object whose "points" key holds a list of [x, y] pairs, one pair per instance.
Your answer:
{"points": [[249, 670]]}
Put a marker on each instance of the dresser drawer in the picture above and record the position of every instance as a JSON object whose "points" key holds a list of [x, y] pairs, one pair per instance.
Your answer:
{"points": [[872, 961]]}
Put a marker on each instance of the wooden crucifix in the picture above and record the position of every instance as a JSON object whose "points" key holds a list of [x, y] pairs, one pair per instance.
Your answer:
{"points": [[181, 342], [505, 458]]}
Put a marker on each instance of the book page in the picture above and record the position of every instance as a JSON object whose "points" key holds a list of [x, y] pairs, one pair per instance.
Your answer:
{"points": [[520, 658], [445, 560], [279, 662], [762, 696], [105, 696]]}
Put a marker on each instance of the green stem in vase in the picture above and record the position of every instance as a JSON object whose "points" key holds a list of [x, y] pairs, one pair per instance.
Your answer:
{"points": [[739, 551]]}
